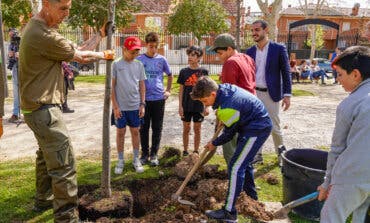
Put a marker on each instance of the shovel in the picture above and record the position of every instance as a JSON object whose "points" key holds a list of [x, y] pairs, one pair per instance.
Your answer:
{"points": [[176, 196], [282, 213], [220, 126]]}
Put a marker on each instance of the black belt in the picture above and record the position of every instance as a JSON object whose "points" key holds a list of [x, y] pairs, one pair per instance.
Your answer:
{"points": [[261, 89], [47, 106]]}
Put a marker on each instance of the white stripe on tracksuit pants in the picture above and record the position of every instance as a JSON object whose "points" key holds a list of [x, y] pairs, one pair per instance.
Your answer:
{"points": [[240, 169]]}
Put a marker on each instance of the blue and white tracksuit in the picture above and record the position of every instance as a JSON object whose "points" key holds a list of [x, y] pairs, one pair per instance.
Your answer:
{"points": [[242, 113]]}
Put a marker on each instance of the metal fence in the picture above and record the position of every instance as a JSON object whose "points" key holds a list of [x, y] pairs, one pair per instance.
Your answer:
{"points": [[173, 47]]}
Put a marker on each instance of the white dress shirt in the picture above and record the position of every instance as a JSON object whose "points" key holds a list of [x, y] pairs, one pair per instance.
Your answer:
{"points": [[261, 57]]}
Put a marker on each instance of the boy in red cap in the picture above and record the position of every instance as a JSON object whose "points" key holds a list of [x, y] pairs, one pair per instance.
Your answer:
{"points": [[128, 99]]}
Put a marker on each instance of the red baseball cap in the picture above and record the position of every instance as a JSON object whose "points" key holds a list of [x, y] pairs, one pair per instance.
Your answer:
{"points": [[132, 43]]}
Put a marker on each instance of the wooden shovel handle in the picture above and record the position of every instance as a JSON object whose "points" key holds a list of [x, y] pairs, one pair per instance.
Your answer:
{"points": [[211, 153], [191, 173], [200, 161]]}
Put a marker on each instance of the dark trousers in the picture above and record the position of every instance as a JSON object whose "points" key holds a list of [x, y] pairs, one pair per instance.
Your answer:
{"points": [[240, 168], [65, 105], [296, 76], [154, 112]]}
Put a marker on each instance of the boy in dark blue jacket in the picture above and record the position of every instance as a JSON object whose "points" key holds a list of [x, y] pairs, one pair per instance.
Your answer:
{"points": [[242, 113]]}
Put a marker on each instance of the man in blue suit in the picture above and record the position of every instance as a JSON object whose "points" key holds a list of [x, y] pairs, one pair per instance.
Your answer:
{"points": [[273, 79]]}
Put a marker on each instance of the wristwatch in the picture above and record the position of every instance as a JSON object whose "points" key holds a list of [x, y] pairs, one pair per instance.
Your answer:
{"points": [[142, 103]]}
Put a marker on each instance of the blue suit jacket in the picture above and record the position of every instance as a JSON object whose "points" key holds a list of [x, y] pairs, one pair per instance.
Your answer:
{"points": [[278, 78]]}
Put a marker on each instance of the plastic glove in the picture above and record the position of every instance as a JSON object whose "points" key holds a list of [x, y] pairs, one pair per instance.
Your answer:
{"points": [[109, 54]]}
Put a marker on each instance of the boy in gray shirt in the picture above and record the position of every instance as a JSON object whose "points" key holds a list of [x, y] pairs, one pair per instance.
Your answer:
{"points": [[346, 187], [128, 100]]}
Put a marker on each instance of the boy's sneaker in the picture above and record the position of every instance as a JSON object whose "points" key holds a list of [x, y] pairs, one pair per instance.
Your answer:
{"points": [[257, 160], [119, 167], [154, 160], [137, 165], [144, 159], [13, 119], [222, 215], [185, 153]]}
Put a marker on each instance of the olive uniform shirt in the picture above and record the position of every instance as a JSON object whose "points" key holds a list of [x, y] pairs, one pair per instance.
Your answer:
{"points": [[41, 53]]}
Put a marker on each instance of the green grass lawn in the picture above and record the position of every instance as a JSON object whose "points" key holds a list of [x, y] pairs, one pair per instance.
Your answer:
{"points": [[175, 86], [18, 185]]}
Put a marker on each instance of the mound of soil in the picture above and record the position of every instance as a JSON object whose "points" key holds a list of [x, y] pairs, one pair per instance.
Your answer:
{"points": [[183, 167], [270, 178], [149, 201], [92, 206]]}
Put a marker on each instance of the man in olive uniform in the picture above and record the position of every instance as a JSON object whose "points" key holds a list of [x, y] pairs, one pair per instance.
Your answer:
{"points": [[41, 53]]}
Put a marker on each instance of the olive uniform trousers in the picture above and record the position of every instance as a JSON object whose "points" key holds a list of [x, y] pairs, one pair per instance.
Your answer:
{"points": [[56, 178]]}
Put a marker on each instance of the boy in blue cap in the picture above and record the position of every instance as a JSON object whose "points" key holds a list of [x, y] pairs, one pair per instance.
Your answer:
{"points": [[243, 113]]}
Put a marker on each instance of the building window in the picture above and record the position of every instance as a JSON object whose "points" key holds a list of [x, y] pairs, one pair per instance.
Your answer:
{"points": [[293, 46], [153, 22], [346, 26]]}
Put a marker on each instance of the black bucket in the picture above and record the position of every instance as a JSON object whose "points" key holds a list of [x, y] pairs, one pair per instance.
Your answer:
{"points": [[303, 171]]}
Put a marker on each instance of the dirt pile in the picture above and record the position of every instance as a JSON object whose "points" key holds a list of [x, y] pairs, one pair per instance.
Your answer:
{"points": [[184, 166], [145, 201], [270, 178]]}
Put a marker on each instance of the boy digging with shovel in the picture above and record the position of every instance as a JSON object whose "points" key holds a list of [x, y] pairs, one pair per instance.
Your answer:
{"points": [[242, 113]]}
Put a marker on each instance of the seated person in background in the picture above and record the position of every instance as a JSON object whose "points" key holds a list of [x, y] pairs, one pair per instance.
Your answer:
{"points": [[317, 72], [294, 70], [305, 70]]}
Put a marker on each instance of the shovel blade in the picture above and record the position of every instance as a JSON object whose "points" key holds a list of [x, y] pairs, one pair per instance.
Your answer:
{"points": [[185, 202]]}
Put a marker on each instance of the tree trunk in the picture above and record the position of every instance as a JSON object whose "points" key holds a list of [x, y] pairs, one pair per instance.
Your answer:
{"points": [[238, 15], [35, 6], [271, 15], [97, 63], [105, 178], [313, 42]]}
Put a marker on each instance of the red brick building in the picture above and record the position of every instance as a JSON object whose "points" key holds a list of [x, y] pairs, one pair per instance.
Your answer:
{"points": [[350, 27]]}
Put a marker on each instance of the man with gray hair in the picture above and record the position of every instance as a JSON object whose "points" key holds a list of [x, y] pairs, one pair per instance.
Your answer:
{"points": [[41, 53]]}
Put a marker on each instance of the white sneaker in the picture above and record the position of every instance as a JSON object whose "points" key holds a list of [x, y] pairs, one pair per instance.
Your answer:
{"points": [[137, 165], [119, 167], [154, 160]]}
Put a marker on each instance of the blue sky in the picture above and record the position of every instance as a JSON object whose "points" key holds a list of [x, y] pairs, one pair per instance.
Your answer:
{"points": [[343, 3]]}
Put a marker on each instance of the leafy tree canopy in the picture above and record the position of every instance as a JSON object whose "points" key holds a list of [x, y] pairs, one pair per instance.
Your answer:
{"points": [[199, 17], [319, 41], [15, 11], [95, 12]]}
